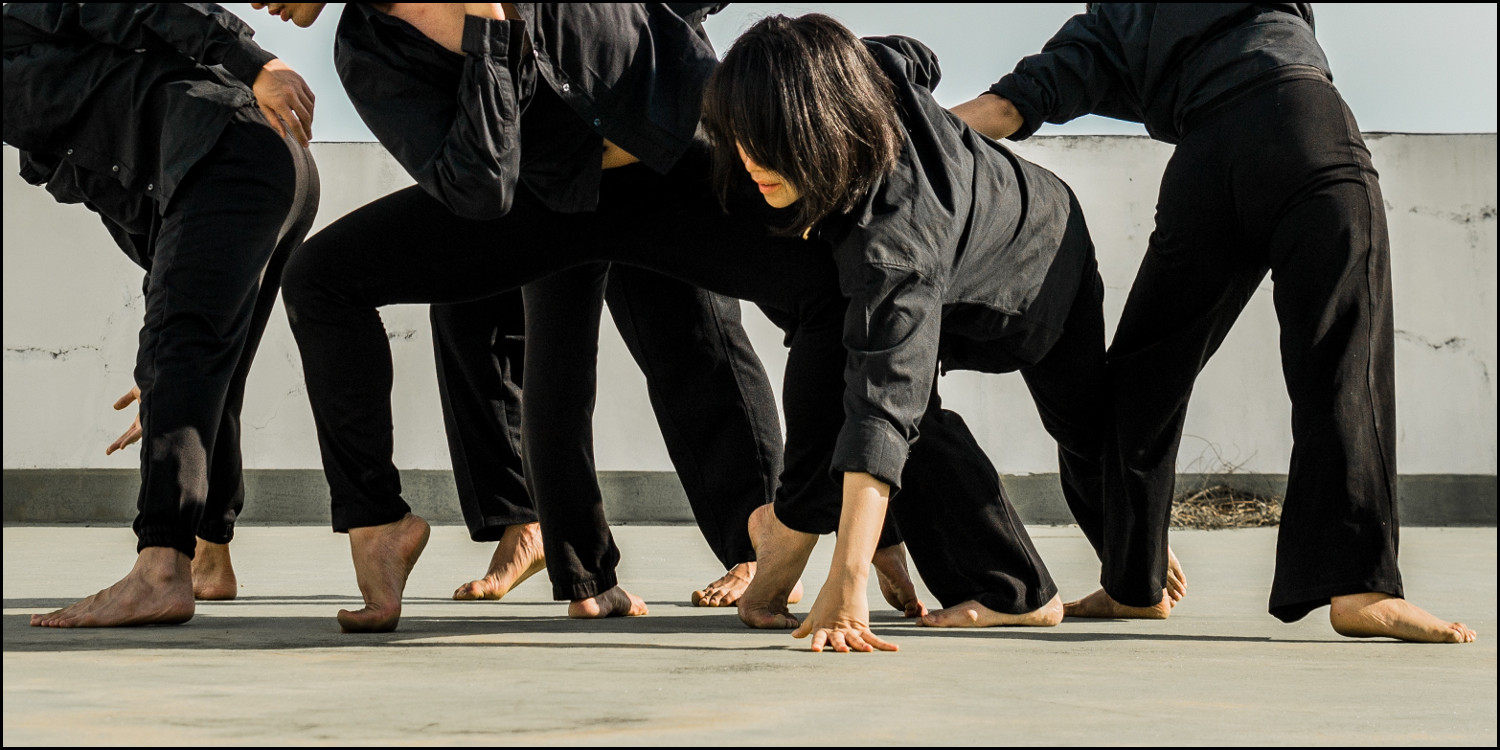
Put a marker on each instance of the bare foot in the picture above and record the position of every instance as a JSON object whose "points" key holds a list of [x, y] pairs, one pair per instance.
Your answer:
{"points": [[383, 558], [1176, 579], [781, 555], [517, 557], [157, 591], [1101, 604], [616, 602], [213, 575], [1374, 615], [972, 614], [726, 591], [895, 581]]}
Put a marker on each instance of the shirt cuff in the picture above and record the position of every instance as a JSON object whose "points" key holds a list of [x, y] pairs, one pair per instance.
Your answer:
{"points": [[872, 446], [1013, 90], [245, 60], [492, 38]]}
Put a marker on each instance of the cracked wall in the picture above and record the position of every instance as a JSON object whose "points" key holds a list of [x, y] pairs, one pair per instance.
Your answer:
{"points": [[72, 308]]}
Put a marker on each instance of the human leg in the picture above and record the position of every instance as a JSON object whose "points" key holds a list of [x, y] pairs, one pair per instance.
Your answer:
{"points": [[714, 405], [1192, 285], [479, 348], [1326, 242], [385, 253], [200, 308]]}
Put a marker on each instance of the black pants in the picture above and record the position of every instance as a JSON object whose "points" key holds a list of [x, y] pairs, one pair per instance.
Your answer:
{"points": [[480, 348], [216, 257], [1281, 181]]}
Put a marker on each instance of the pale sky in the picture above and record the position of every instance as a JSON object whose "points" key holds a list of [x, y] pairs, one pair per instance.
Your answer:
{"points": [[1401, 67]]}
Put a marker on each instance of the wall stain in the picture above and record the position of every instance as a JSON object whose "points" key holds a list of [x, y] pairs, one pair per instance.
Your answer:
{"points": [[24, 353]]}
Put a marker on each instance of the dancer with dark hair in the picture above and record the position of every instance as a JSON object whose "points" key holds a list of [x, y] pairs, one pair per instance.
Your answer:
{"points": [[954, 254], [1270, 174], [189, 141]]}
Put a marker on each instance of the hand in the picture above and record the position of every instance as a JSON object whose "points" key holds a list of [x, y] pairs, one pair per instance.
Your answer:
{"points": [[286, 100], [840, 619], [134, 432]]}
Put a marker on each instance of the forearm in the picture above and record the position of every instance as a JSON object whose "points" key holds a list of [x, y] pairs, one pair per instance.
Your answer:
{"points": [[860, 522], [991, 115]]}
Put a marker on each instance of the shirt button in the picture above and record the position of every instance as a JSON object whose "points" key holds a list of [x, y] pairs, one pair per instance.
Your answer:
{"points": [[597, 121], [115, 168], [70, 152], [565, 88], [149, 186]]}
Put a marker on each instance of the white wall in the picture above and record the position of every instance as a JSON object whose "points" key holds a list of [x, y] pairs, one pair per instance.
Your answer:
{"points": [[72, 308]]}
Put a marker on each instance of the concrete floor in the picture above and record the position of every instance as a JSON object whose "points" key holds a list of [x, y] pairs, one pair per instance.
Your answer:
{"points": [[272, 668]]}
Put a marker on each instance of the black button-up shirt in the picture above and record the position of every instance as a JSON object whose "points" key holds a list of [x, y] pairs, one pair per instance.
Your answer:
{"points": [[112, 103], [632, 73], [960, 256], [1161, 64]]}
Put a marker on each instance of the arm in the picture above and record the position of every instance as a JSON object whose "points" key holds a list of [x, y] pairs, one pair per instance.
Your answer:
{"points": [[992, 115], [891, 335], [1081, 70], [464, 149]]}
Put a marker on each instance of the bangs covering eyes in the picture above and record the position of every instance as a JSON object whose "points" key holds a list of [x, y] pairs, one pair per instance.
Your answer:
{"points": [[806, 100]]}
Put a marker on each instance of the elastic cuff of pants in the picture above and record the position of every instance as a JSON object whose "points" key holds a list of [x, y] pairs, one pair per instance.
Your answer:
{"points": [[344, 520], [493, 527], [583, 589], [788, 515], [217, 533], [1033, 600], [1293, 606], [166, 537]]}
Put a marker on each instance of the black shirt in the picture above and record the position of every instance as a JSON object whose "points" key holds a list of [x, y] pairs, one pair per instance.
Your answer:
{"points": [[629, 72], [960, 256], [112, 103], [1161, 64]]}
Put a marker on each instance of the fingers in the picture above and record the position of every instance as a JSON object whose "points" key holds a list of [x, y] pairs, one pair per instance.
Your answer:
{"points": [[843, 640], [128, 438], [127, 399], [875, 641], [273, 119]]}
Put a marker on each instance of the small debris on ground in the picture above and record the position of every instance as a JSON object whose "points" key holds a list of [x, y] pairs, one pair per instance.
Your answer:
{"points": [[1223, 507]]}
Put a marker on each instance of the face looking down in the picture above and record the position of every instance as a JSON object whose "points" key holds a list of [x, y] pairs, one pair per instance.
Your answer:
{"points": [[773, 187]]}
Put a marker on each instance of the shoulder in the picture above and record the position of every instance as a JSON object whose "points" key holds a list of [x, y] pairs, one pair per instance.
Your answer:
{"points": [[904, 58]]}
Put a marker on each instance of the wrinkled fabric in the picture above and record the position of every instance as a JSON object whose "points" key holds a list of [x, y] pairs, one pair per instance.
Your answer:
{"points": [[958, 259], [1160, 64], [149, 88], [632, 73]]}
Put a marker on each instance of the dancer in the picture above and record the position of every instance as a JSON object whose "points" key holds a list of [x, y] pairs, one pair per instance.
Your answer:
{"points": [[1269, 174], [204, 180], [955, 254]]}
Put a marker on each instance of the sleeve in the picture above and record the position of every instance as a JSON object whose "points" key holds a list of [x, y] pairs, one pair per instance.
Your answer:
{"points": [[203, 32], [1079, 71], [463, 149], [921, 62], [891, 333]]}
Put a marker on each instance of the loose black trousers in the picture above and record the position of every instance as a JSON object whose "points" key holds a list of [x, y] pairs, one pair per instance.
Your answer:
{"points": [[1278, 180], [480, 349], [216, 257]]}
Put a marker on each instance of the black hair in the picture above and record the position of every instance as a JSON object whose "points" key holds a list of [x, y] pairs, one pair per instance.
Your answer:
{"points": [[805, 99]]}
